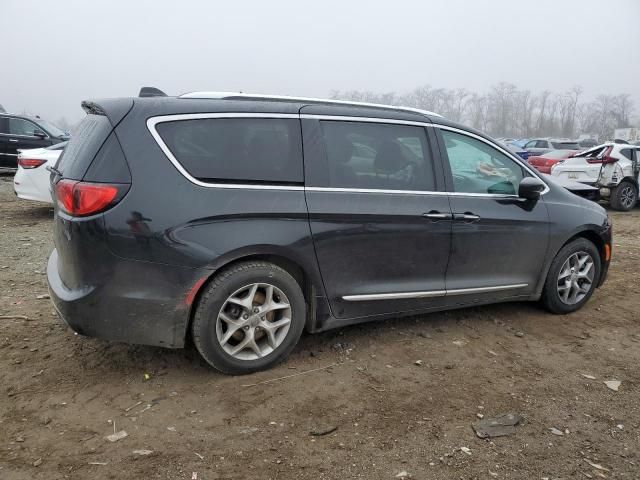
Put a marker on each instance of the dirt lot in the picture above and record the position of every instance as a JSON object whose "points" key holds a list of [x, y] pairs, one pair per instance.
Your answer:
{"points": [[60, 394]]}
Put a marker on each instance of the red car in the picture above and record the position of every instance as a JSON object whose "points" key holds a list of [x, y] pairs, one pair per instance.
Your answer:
{"points": [[543, 163]]}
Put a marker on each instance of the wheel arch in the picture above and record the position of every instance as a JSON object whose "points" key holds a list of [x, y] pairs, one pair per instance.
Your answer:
{"points": [[308, 280], [586, 233]]}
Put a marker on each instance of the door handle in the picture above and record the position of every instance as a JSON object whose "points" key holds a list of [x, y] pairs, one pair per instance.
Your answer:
{"points": [[436, 216], [13, 140], [466, 217]]}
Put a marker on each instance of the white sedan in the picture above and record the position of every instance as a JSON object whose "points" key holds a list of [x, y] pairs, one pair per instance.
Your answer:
{"points": [[31, 181]]}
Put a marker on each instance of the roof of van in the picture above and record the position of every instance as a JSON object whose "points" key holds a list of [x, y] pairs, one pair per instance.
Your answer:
{"points": [[153, 102]]}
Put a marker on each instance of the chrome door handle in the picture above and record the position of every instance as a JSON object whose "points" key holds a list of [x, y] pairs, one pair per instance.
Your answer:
{"points": [[467, 217], [435, 216], [13, 140]]}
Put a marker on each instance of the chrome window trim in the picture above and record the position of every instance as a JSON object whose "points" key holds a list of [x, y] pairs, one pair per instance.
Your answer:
{"points": [[153, 121], [26, 136], [430, 293], [345, 118]]}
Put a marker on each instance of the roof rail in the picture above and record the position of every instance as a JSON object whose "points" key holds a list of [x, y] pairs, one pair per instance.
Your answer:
{"points": [[259, 96]]}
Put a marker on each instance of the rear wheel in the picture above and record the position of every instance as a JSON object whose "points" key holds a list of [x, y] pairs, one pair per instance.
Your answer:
{"points": [[250, 318], [572, 277], [624, 197]]}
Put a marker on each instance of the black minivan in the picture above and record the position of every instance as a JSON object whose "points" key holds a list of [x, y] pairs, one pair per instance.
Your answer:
{"points": [[241, 220]]}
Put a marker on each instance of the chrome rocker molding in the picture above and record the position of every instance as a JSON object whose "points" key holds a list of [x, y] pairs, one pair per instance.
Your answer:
{"points": [[430, 293]]}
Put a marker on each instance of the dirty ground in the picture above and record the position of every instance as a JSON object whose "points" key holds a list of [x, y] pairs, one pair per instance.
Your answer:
{"points": [[400, 400]]}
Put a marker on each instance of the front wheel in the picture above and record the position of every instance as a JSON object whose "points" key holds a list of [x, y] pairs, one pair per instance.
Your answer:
{"points": [[572, 277], [249, 318], [624, 197]]}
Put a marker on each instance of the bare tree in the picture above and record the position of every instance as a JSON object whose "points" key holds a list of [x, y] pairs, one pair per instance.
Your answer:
{"points": [[507, 111]]}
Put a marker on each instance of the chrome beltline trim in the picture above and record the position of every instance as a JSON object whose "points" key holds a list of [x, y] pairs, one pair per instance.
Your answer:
{"points": [[430, 293], [406, 192]]}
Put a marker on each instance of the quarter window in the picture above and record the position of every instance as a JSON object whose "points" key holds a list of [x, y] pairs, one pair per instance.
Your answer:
{"points": [[377, 156], [18, 126], [237, 149], [477, 167]]}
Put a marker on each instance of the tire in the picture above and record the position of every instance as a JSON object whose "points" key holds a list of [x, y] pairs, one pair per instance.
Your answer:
{"points": [[624, 197], [555, 289], [221, 324]]}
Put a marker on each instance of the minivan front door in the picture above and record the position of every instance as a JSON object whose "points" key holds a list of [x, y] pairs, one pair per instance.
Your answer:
{"points": [[499, 241], [380, 227]]}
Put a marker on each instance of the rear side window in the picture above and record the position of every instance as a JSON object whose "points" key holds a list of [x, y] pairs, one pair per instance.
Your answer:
{"points": [[377, 156], [237, 149], [627, 152], [83, 146]]}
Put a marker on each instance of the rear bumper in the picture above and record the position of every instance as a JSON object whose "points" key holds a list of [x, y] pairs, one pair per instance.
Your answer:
{"points": [[140, 303], [32, 185]]}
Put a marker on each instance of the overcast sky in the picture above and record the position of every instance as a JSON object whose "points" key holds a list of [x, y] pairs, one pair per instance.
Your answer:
{"points": [[58, 53]]}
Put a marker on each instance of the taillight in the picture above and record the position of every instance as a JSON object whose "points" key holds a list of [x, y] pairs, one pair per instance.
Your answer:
{"points": [[603, 157], [84, 198], [30, 162]]}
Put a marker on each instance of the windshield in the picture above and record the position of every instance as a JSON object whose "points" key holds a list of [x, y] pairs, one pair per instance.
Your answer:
{"points": [[52, 129]]}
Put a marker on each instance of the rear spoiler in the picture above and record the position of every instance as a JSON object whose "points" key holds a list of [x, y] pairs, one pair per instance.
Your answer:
{"points": [[151, 92], [114, 109]]}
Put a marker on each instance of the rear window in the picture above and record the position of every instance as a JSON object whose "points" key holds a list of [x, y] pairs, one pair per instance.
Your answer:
{"points": [[566, 145], [237, 149], [83, 146]]}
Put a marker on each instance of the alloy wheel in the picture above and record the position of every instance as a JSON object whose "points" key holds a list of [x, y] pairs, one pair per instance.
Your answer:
{"points": [[253, 321], [576, 276], [628, 196]]}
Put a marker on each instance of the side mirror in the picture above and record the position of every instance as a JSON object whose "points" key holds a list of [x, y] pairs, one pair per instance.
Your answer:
{"points": [[530, 188], [39, 133]]}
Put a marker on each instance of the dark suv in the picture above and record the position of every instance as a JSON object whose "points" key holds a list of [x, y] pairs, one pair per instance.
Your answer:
{"points": [[243, 220], [20, 132]]}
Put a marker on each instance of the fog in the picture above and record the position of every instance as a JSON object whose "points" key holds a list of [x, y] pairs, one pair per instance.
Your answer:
{"points": [[59, 53]]}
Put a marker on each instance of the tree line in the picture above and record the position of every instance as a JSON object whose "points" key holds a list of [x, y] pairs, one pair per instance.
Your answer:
{"points": [[507, 111]]}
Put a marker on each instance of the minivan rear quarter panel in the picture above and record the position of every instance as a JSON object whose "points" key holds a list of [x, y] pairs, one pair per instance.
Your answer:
{"points": [[202, 227]]}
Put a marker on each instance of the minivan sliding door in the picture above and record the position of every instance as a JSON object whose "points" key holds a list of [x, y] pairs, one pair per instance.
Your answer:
{"points": [[380, 227]]}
